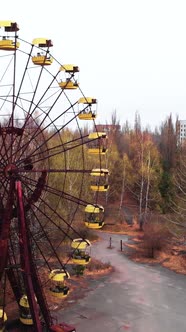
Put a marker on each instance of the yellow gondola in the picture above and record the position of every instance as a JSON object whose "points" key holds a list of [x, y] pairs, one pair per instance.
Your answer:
{"points": [[7, 43], [97, 143], [3, 319], [100, 181], [87, 108], [42, 58], [79, 255], [69, 81], [59, 288], [25, 313], [94, 216]]}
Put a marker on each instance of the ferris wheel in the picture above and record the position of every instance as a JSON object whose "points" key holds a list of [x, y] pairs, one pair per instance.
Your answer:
{"points": [[44, 175]]}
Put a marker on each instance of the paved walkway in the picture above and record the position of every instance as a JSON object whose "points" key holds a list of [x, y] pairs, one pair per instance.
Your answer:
{"points": [[136, 298]]}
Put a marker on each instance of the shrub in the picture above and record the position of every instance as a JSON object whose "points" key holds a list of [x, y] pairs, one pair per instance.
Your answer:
{"points": [[79, 270], [96, 265], [156, 237]]}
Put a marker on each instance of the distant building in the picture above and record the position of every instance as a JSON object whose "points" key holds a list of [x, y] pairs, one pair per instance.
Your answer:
{"points": [[182, 130]]}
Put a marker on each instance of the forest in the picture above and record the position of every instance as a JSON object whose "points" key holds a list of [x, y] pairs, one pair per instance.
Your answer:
{"points": [[149, 166]]}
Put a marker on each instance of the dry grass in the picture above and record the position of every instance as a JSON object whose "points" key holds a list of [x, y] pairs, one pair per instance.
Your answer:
{"points": [[175, 264], [168, 255], [122, 229], [79, 285], [97, 267], [167, 250]]}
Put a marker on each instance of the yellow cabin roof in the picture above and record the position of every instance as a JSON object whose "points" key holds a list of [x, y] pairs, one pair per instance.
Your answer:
{"points": [[24, 301], [2, 313], [97, 135], [11, 26], [58, 275], [87, 100], [69, 68], [5, 23], [42, 42], [99, 172], [80, 243], [94, 208]]}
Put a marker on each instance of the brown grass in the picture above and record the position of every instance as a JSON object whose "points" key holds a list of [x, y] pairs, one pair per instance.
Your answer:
{"points": [[167, 254], [97, 267], [166, 249]]}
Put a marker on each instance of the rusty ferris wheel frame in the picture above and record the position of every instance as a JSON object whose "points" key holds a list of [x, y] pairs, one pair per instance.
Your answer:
{"points": [[32, 101]]}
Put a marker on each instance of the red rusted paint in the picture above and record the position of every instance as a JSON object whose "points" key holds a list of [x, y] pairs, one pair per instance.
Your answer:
{"points": [[25, 260], [62, 327]]}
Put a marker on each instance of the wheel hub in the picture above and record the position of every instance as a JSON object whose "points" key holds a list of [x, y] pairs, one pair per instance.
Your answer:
{"points": [[9, 170]]}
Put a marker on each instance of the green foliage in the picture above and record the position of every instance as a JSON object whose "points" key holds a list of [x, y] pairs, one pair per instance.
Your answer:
{"points": [[138, 160], [166, 188], [168, 143], [74, 184], [79, 270], [115, 180]]}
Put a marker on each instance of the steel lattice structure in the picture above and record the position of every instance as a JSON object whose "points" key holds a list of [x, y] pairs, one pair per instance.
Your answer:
{"points": [[42, 166]]}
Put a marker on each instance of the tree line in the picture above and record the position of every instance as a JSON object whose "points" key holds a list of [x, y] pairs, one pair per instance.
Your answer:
{"points": [[150, 166]]}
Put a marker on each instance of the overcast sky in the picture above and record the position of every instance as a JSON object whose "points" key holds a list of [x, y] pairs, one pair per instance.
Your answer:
{"points": [[131, 53]]}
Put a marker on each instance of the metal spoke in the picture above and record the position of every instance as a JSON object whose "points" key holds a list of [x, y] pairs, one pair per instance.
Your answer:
{"points": [[42, 169]]}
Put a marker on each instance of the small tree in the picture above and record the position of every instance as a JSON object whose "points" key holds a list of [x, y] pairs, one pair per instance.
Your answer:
{"points": [[156, 237]]}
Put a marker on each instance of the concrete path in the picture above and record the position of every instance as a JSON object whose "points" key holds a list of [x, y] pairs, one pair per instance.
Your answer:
{"points": [[136, 298]]}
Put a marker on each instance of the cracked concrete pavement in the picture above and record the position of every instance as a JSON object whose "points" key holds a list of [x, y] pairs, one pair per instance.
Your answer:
{"points": [[135, 297]]}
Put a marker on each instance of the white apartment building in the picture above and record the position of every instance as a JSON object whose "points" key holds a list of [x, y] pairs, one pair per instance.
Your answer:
{"points": [[182, 130]]}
